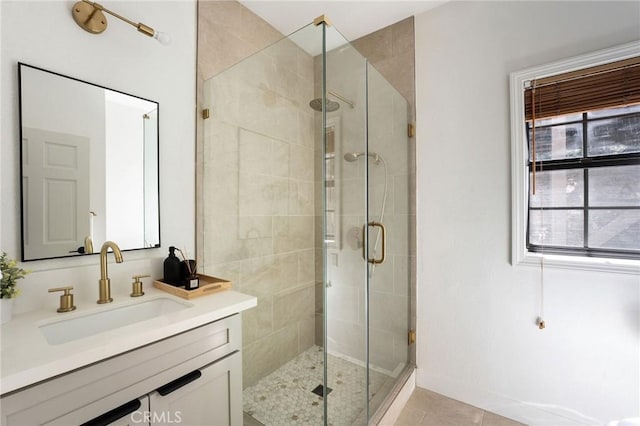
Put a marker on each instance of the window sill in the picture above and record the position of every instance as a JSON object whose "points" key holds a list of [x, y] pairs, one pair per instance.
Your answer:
{"points": [[593, 264]]}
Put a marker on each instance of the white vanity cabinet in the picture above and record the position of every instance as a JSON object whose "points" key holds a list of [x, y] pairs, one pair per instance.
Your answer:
{"points": [[193, 379]]}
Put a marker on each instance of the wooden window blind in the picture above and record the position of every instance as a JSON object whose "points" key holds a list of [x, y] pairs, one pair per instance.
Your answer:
{"points": [[605, 86]]}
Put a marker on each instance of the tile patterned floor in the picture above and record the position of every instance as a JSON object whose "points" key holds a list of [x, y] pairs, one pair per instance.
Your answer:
{"points": [[426, 408], [284, 397]]}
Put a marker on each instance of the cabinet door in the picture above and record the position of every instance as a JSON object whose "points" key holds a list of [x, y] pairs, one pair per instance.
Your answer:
{"points": [[211, 395]]}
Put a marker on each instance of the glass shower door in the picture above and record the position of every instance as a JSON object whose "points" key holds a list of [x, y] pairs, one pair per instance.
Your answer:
{"points": [[366, 234], [389, 219], [345, 211]]}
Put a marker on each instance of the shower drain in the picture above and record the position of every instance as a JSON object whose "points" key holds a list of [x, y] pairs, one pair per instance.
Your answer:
{"points": [[319, 390]]}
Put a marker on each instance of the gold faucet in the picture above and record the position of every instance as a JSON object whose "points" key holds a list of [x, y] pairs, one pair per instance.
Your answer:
{"points": [[104, 291], [88, 245]]}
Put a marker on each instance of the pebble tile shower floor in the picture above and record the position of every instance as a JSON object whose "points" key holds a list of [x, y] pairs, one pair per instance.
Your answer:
{"points": [[285, 396]]}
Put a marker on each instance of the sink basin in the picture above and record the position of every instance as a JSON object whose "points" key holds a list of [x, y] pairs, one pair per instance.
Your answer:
{"points": [[67, 330]]}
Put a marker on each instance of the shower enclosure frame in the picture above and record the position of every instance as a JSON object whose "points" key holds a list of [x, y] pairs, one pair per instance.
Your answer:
{"points": [[365, 165]]}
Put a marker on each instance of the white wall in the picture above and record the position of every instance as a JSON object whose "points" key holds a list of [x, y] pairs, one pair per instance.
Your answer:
{"points": [[124, 135], [44, 34], [477, 338]]}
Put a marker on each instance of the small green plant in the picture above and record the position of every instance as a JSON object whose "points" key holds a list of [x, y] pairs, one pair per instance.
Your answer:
{"points": [[11, 273]]}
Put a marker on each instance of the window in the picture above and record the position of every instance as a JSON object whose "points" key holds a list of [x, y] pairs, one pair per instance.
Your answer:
{"points": [[576, 158], [587, 199]]}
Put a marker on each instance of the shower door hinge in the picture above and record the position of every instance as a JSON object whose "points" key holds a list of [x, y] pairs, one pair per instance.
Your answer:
{"points": [[411, 130], [412, 337], [205, 113]]}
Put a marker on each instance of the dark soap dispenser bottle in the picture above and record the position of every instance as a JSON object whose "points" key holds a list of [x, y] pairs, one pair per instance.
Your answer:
{"points": [[172, 268]]}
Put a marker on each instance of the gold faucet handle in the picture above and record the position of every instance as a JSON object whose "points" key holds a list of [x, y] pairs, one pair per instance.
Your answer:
{"points": [[137, 277], [67, 290], [66, 299], [136, 285]]}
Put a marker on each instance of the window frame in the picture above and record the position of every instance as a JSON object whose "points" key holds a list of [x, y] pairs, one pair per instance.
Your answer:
{"points": [[520, 255]]}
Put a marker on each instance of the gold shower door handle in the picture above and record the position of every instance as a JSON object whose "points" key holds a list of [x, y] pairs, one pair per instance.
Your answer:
{"points": [[384, 242]]}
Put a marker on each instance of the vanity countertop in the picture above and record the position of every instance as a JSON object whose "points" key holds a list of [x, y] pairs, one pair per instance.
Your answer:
{"points": [[27, 358]]}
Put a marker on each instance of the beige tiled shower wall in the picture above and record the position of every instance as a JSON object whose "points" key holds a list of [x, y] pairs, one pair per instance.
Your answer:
{"points": [[256, 201], [391, 50]]}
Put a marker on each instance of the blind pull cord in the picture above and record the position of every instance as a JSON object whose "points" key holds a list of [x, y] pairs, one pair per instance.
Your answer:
{"points": [[533, 138], [540, 320]]}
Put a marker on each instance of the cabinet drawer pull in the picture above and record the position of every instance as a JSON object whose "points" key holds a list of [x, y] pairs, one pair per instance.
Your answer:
{"points": [[115, 414], [179, 382]]}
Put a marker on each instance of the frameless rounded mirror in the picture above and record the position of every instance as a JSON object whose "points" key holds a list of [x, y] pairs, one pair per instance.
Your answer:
{"points": [[89, 167]]}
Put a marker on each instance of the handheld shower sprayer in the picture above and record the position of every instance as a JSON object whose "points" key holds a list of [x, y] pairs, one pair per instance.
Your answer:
{"points": [[377, 159]]}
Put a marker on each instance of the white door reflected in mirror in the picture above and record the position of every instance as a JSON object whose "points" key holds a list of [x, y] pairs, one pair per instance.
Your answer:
{"points": [[55, 174]]}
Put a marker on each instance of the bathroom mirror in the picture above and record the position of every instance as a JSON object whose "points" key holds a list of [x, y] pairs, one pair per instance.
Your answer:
{"points": [[89, 167]]}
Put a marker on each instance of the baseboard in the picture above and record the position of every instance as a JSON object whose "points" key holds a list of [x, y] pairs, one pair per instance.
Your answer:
{"points": [[529, 413]]}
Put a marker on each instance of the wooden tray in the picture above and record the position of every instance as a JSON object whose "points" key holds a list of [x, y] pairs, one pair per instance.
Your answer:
{"points": [[208, 285]]}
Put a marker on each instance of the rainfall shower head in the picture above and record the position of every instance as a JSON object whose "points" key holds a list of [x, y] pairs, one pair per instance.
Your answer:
{"points": [[353, 156], [316, 104]]}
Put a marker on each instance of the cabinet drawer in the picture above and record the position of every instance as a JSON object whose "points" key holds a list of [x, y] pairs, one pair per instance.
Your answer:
{"points": [[117, 380], [211, 395], [129, 414]]}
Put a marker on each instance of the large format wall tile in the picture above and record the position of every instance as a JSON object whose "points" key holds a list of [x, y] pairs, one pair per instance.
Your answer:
{"points": [[256, 197], [228, 33], [262, 195], [258, 322], [270, 274], [268, 353], [292, 233], [293, 306]]}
